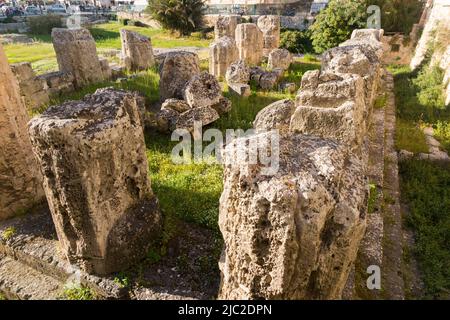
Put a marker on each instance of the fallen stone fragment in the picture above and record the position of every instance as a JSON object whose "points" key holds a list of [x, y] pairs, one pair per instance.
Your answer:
{"points": [[202, 90], [275, 116]]}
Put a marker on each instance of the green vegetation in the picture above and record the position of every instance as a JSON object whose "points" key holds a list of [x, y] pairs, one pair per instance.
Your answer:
{"points": [[373, 195], [426, 188], [122, 280], [183, 16], [336, 22], [44, 24], [419, 100], [398, 15], [380, 101], [2, 297], [8, 233], [78, 292], [296, 41]]}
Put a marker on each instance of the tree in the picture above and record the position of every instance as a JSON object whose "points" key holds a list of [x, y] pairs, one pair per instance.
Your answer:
{"points": [[399, 15], [335, 23], [184, 16]]}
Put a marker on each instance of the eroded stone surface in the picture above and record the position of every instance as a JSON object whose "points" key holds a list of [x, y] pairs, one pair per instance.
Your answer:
{"points": [[331, 106], [250, 43], [225, 26], [238, 72], [32, 88], [137, 50], [202, 90], [279, 58], [271, 27], [275, 116], [293, 235], [20, 181], [76, 54], [176, 70], [222, 53], [92, 154]]}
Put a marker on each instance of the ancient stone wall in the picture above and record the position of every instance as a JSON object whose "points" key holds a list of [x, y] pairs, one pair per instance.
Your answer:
{"points": [[33, 89], [92, 155], [295, 233], [20, 181]]}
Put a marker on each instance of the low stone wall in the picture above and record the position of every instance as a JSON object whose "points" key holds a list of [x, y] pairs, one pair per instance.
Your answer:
{"points": [[294, 233], [19, 27]]}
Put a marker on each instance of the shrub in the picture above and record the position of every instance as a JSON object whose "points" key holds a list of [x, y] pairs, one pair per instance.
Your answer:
{"points": [[335, 23], [430, 88], [124, 21], [44, 24], [135, 23], [296, 41], [184, 16]]}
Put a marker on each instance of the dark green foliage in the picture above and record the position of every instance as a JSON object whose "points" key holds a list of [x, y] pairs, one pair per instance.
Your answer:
{"points": [[336, 22], [399, 15], [426, 187], [44, 24], [296, 41], [184, 16]]}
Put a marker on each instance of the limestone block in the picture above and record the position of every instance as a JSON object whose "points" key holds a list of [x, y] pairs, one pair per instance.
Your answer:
{"points": [[202, 90], [275, 116], [76, 54], [279, 58], [33, 89], [250, 42], [176, 70], [225, 26], [137, 51], [294, 234], [20, 180], [271, 27], [238, 72], [332, 107], [222, 53], [204, 115], [92, 154]]}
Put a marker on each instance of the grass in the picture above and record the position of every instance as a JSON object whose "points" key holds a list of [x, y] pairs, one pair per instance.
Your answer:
{"points": [[419, 100], [78, 292], [2, 297], [426, 188], [42, 55]]}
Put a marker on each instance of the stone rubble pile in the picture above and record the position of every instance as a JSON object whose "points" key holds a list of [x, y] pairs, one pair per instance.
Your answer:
{"points": [[187, 94], [295, 233]]}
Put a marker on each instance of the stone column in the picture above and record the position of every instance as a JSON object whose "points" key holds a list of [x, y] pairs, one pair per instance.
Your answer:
{"points": [[222, 53], [92, 153], [20, 181], [271, 27], [225, 26], [249, 40], [137, 51], [76, 54]]}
